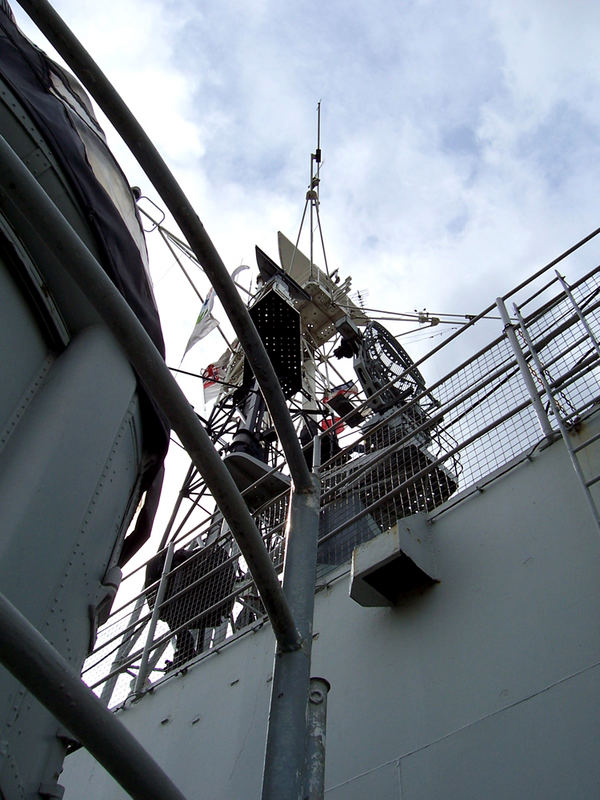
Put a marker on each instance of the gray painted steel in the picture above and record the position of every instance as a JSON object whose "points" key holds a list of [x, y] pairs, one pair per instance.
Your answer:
{"points": [[69, 424], [285, 755], [484, 685], [394, 563], [23, 197], [316, 732], [44, 673]]}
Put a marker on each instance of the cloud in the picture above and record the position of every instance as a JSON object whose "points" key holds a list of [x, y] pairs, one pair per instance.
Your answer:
{"points": [[459, 138], [459, 141]]}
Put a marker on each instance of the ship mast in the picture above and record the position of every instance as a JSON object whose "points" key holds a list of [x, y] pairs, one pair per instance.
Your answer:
{"points": [[312, 203]]}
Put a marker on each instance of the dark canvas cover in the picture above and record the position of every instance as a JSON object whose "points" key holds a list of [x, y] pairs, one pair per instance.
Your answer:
{"points": [[62, 113]]}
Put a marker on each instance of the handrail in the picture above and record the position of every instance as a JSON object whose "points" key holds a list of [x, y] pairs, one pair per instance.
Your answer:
{"points": [[488, 381], [45, 673]]}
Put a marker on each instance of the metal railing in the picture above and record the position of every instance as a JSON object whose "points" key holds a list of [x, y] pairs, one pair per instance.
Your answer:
{"points": [[396, 464]]}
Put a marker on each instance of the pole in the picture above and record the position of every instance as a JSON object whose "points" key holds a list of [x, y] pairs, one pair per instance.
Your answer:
{"points": [[123, 651], [578, 311], [562, 427], [160, 596], [283, 775], [315, 746], [509, 330]]}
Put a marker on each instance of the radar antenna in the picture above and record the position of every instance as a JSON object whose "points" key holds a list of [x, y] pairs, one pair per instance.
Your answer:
{"points": [[351, 387]]}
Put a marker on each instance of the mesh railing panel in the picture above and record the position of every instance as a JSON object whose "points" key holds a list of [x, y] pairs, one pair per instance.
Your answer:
{"points": [[409, 458]]}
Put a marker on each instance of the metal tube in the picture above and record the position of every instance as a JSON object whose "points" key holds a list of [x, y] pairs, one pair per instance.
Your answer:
{"points": [[286, 735], [45, 673], [30, 209], [315, 746], [175, 511], [148, 157], [316, 453], [122, 652], [130, 633], [578, 311], [559, 420], [160, 596], [538, 406]]}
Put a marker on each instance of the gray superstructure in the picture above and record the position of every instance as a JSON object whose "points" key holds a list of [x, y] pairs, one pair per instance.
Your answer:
{"points": [[79, 442], [456, 509], [461, 641], [483, 685]]}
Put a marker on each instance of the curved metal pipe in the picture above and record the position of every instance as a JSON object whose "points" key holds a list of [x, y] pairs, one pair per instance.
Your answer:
{"points": [[134, 136], [44, 672], [45, 230]]}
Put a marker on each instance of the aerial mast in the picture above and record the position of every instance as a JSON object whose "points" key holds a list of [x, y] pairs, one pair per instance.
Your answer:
{"points": [[312, 203]]}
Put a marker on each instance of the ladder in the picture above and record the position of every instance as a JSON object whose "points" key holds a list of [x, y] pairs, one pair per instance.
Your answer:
{"points": [[586, 481]]}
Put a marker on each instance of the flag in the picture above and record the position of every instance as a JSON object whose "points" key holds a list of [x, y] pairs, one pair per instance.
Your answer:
{"points": [[213, 376], [348, 389], [205, 322], [332, 424]]}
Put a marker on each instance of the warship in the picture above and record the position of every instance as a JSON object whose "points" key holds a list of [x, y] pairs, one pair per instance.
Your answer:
{"points": [[379, 576]]}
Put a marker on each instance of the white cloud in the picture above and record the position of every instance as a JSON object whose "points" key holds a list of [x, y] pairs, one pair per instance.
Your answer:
{"points": [[459, 138]]}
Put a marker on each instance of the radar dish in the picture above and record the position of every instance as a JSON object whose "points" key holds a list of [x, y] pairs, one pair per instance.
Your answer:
{"points": [[382, 359]]}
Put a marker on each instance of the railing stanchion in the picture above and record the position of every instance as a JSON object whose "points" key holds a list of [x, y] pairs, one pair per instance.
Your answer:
{"points": [[509, 330], [160, 596]]}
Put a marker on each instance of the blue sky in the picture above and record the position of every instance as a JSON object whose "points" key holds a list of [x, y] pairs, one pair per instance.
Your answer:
{"points": [[460, 138]]}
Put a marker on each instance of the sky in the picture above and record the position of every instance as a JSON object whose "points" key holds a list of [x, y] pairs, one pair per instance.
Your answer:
{"points": [[460, 138]]}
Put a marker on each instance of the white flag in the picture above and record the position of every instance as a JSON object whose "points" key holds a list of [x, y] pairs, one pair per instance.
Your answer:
{"points": [[205, 322]]}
